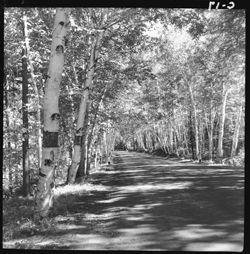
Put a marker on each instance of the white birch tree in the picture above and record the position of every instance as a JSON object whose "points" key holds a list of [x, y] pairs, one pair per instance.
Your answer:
{"points": [[50, 147]]}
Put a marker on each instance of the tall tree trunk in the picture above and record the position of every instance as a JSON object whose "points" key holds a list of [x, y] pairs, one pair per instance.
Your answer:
{"points": [[89, 154], [72, 121], [50, 149], [210, 144], [134, 143], [145, 141], [142, 144], [90, 137], [201, 144], [82, 109], [191, 134], [16, 172], [9, 166], [176, 141], [96, 157], [186, 150], [198, 154], [105, 146], [110, 142], [236, 131], [28, 59], [8, 173], [81, 172], [153, 142], [25, 145], [93, 150], [210, 128], [221, 125], [170, 139]]}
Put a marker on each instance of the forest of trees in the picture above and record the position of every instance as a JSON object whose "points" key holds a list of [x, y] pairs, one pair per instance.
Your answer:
{"points": [[81, 82]]}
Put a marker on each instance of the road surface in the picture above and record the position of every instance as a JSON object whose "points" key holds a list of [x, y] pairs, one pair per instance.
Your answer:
{"points": [[147, 202]]}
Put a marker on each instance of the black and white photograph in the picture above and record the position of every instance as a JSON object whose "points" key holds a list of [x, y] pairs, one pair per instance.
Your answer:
{"points": [[124, 127]]}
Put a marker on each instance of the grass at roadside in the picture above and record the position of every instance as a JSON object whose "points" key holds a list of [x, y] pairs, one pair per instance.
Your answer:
{"points": [[18, 213]]}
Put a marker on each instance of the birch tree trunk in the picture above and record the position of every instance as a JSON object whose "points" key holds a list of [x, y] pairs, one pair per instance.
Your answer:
{"points": [[185, 142], [90, 138], [210, 129], [201, 144], [176, 141], [72, 120], [191, 134], [198, 154], [81, 172], [236, 132], [50, 147], [87, 161], [221, 125], [170, 138], [110, 142], [82, 109]]}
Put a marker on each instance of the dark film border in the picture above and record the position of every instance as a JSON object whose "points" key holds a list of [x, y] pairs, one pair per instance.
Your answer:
{"points": [[203, 4]]}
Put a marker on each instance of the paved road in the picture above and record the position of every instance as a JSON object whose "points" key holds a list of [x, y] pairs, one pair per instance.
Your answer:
{"points": [[151, 203]]}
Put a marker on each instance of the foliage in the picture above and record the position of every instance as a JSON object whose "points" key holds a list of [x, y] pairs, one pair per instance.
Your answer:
{"points": [[147, 59]]}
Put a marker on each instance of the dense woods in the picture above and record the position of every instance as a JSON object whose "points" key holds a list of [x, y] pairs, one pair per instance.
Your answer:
{"points": [[80, 83]]}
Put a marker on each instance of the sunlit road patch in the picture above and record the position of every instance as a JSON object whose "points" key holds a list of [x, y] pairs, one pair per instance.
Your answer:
{"points": [[147, 203], [151, 187]]}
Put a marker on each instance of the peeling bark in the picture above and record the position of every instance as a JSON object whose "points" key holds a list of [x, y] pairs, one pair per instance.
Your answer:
{"points": [[44, 197]]}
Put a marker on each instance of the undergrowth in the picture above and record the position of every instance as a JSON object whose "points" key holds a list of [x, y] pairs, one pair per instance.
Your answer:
{"points": [[18, 219], [18, 213]]}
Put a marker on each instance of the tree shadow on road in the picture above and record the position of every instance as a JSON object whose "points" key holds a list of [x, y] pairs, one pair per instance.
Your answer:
{"points": [[155, 207]]}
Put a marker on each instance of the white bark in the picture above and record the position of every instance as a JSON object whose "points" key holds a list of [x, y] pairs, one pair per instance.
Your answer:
{"points": [[198, 154], [236, 132], [44, 195], [210, 128], [83, 106], [92, 130], [221, 126]]}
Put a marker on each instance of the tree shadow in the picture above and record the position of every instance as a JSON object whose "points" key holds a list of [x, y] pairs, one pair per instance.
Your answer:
{"points": [[157, 207]]}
